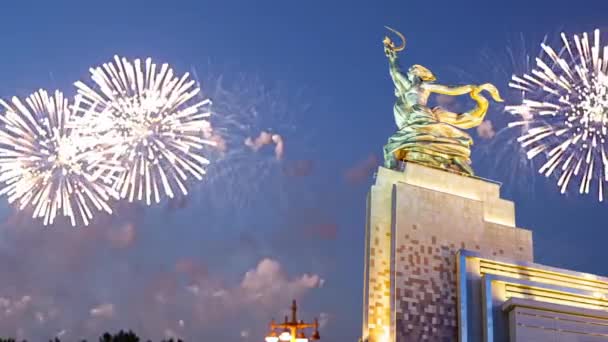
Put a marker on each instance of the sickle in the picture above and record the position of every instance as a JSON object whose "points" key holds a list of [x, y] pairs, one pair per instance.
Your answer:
{"points": [[398, 48]]}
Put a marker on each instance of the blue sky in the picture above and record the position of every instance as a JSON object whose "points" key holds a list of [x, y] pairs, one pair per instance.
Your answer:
{"points": [[316, 73]]}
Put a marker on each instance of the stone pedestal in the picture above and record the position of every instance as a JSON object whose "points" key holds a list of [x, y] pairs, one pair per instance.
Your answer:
{"points": [[417, 220]]}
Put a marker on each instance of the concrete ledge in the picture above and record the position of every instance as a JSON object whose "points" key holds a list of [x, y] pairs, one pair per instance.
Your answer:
{"points": [[469, 187], [495, 209]]}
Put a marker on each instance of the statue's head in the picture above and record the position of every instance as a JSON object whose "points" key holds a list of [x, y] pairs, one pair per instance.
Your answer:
{"points": [[422, 73]]}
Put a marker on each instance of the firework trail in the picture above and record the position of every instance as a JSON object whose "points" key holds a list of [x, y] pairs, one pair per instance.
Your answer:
{"points": [[47, 164], [565, 111], [152, 123], [256, 127]]}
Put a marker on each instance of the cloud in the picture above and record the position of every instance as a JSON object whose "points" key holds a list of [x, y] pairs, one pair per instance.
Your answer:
{"points": [[206, 300], [268, 281], [361, 171], [266, 138], [279, 149], [13, 307], [103, 311], [53, 283], [22, 314], [81, 282], [262, 140], [485, 130]]}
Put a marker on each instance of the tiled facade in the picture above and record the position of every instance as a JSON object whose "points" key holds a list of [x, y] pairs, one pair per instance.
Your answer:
{"points": [[418, 219], [377, 283]]}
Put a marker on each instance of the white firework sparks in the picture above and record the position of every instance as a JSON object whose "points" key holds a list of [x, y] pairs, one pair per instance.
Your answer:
{"points": [[152, 123], [565, 112], [46, 164]]}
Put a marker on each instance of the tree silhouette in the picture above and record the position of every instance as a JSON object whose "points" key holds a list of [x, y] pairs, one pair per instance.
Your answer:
{"points": [[121, 336]]}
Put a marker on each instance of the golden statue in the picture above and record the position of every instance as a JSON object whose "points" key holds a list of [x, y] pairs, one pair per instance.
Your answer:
{"points": [[431, 136]]}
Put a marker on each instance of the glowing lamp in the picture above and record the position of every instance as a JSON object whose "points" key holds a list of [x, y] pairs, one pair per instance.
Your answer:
{"points": [[301, 338], [291, 330], [272, 337]]}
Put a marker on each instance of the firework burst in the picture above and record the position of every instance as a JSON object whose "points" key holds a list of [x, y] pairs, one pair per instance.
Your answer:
{"points": [[565, 112], [152, 123], [47, 164]]}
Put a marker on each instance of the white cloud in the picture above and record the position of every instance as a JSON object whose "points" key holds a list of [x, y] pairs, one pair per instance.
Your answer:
{"points": [[268, 280], [103, 311], [153, 302]]}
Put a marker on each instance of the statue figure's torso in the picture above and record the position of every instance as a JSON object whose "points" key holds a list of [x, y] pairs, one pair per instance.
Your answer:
{"points": [[411, 107]]}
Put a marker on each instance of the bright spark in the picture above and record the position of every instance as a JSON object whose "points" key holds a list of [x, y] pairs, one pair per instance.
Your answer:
{"points": [[46, 164], [152, 123], [565, 108]]}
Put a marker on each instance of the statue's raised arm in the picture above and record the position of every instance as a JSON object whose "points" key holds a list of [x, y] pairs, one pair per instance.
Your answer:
{"points": [[390, 50]]}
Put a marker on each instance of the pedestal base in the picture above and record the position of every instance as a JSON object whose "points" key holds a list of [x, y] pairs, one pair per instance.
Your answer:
{"points": [[417, 221]]}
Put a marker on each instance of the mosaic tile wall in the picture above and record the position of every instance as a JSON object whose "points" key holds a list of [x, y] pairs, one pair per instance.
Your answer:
{"points": [[429, 228], [412, 235], [377, 282]]}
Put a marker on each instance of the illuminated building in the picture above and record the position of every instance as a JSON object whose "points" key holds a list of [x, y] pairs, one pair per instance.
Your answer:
{"points": [[444, 261]]}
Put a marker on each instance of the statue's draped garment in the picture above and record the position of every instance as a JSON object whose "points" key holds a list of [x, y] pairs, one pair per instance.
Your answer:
{"points": [[421, 137]]}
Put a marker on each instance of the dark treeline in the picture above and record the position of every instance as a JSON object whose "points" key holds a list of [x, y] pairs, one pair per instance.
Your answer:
{"points": [[121, 336]]}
